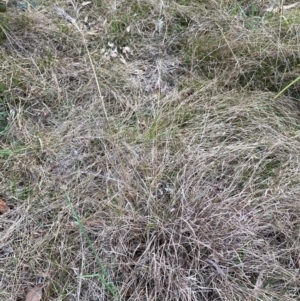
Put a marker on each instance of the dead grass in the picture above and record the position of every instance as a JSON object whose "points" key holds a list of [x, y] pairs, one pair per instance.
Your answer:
{"points": [[181, 165]]}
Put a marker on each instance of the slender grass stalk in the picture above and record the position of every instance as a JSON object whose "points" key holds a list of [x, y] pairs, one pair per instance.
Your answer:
{"points": [[103, 277], [289, 85]]}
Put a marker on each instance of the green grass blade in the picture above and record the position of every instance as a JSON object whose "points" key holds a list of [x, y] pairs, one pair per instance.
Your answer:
{"points": [[289, 85], [105, 280]]}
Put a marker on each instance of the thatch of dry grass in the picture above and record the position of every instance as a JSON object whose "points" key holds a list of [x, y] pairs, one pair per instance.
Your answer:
{"points": [[143, 155]]}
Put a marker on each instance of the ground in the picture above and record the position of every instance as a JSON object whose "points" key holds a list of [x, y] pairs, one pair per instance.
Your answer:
{"points": [[147, 152]]}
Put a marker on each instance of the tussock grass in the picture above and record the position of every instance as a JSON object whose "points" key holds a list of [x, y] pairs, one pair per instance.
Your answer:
{"points": [[181, 166]]}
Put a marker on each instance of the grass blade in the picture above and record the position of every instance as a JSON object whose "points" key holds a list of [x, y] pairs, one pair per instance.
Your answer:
{"points": [[289, 85], [105, 280]]}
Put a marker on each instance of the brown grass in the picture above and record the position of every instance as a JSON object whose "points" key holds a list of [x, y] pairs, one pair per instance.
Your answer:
{"points": [[181, 166]]}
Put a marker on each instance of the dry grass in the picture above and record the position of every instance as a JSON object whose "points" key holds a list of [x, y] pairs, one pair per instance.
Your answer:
{"points": [[181, 166]]}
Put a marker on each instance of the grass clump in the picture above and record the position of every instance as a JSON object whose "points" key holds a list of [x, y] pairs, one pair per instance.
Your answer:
{"points": [[161, 127]]}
